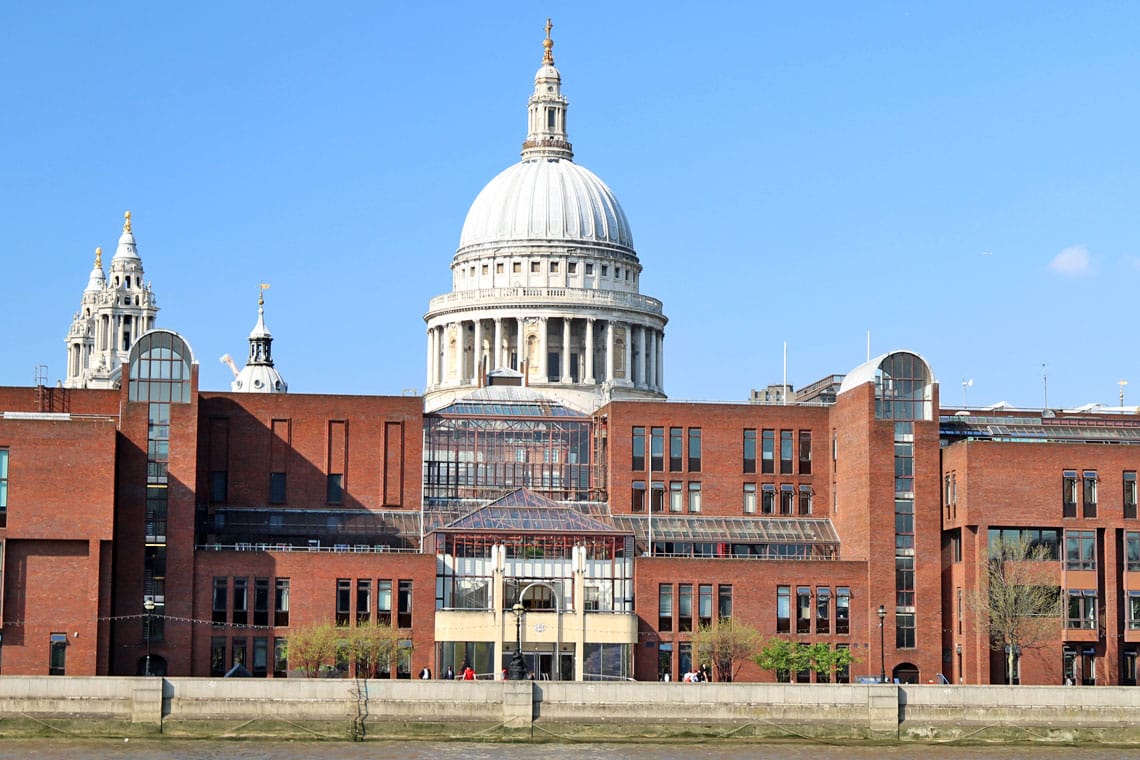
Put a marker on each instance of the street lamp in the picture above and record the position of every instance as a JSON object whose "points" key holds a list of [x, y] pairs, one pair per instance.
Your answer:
{"points": [[517, 668], [148, 605], [882, 645]]}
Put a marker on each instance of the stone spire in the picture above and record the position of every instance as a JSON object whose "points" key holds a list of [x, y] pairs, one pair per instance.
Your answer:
{"points": [[546, 130]]}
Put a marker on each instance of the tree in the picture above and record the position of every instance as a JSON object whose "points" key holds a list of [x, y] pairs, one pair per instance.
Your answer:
{"points": [[1018, 602], [312, 646], [371, 647], [725, 646], [784, 657]]}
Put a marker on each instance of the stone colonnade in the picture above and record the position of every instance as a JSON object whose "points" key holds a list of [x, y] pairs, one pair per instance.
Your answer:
{"points": [[548, 350]]}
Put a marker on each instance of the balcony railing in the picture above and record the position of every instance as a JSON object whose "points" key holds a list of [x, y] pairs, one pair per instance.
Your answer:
{"points": [[530, 296]]}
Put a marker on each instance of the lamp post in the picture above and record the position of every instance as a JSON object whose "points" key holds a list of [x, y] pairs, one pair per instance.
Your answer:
{"points": [[882, 645], [148, 605], [517, 668]]}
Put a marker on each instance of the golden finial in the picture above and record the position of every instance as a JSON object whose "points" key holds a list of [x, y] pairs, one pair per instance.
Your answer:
{"points": [[548, 44], [261, 293], [127, 222], [98, 258]]}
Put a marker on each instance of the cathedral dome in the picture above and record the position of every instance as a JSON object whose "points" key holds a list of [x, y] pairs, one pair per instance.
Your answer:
{"points": [[549, 199]]}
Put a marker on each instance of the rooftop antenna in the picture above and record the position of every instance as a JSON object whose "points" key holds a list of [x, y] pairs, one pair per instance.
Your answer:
{"points": [[1122, 383], [966, 384], [1045, 384]]}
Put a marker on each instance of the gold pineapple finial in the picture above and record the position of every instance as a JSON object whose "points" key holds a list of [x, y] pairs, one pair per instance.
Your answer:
{"points": [[548, 45], [127, 222], [261, 293], [98, 258]]}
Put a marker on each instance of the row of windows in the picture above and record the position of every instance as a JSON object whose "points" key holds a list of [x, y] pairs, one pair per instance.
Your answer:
{"points": [[783, 499], [219, 487], [790, 454], [364, 612], [229, 653], [1083, 484], [683, 612], [817, 615], [676, 450], [3, 488], [554, 267], [680, 494], [235, 608]]}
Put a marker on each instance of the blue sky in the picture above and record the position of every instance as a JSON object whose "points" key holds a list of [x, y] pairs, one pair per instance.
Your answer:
{"points": [[960, 179]]}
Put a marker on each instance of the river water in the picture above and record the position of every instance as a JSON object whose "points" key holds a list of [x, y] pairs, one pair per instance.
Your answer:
{"points": [[142, 749]]}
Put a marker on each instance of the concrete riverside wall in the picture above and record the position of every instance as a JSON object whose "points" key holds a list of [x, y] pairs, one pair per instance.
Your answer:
{"points": [[553, 711]]}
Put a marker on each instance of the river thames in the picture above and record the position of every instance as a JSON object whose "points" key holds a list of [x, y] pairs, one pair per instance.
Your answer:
{"points": [[141, 749]]}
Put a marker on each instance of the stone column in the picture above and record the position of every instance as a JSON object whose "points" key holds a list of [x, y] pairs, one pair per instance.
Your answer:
{"points": [[589, 377], [660, 361], [520, 343], [543, 348], [629, 353], [609, 350], [430, 357], [478, 354], [497, 351], [642, 378], [651, 375], [565, 350], [445, 362]]}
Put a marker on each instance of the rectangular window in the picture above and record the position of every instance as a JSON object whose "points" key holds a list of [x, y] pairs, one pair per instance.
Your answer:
{"points": [[241, 601], [960, 614], [705, 604], [363, 601], [218, 483], [904, 630], [805, 500], [1080, 550], [685, 607], [217, 656], [904, 523], [783, 609], [638, 462], [238, 651], [665, 607], [904, 467], [724, 601], [768, 499], [383, 602], [516, 267], [404, 619], [749, 498], [334, 490], [956, 546], [535, 267], [1082, 609], [3, 487], [1130, 495], [553, 267], [768, 452], [1133, 610], [637, 496], [572, 267], [842, 610], [281, 603], [805, 452], [785, 452], [343, 601], [1069, 493], [675, 454], [904, 580], [803, 609], [657, 448], [749, 451], [221, 592], [280, 658], [260, 657], [694, 496], [787, 499], [694, 449], [823, 609], [57, 664], [1089, 493], [276, 488], [676, 498], [261, 601], [1132, 552]]}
